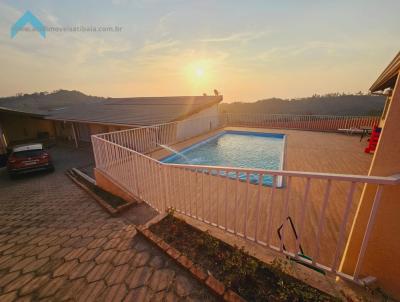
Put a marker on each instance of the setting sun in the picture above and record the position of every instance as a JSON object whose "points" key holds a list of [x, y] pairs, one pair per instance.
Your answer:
{"points": [[199, 72]]}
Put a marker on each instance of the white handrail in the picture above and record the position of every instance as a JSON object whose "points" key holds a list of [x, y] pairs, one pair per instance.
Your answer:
{"points": [[384, 180], [236, 199]]}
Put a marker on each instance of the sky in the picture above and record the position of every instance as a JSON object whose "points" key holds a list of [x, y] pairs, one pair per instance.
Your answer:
{"points": [[247, 50]]}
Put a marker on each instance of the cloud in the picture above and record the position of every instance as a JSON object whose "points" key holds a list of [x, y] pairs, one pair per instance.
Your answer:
{"points": [[63, 58], [59, 47], [119, 2], [236, 37], [162, 25], [153, 46], [9, 15], [293, 51], [49, 19]]}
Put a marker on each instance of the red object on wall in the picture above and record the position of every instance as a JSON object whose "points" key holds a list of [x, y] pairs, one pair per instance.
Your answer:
{"points": [[373, 140]]}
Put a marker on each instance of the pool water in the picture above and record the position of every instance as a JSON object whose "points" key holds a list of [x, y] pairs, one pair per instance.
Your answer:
{"points": [[236, 149]]}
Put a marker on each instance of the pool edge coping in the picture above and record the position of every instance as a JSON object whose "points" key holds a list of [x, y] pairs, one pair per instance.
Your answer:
{"points": [[283, 136]]}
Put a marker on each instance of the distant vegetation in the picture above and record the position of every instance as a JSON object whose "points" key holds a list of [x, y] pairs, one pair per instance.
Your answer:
{"points": [[43, 101], [329, 104]]}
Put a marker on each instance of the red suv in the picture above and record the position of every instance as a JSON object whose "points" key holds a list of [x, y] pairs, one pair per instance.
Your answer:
{"points": [[28, 158]]}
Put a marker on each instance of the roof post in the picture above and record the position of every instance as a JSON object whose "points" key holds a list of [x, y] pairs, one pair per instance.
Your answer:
{"points": [[3, 141], [74, 133]]}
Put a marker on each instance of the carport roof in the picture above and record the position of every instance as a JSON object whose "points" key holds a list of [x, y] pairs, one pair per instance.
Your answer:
{"points": [[141, 111], [388, 77]]}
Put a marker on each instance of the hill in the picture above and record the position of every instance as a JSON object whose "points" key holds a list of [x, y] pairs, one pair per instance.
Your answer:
{"points": [[331, 104], [43, 102]]}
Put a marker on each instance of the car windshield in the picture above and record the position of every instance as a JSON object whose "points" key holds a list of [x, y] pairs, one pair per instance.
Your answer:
{"points": [[27, 153]]}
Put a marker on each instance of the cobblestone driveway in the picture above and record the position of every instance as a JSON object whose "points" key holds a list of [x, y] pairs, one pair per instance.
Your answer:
{"points": [[57, 244]]}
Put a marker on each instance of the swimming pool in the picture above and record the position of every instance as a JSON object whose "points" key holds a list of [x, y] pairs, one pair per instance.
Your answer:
{"points": [[236, 149]]}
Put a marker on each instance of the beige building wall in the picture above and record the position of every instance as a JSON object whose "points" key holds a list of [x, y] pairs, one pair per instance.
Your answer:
{"points": [[101, 128], [20, 127], [209, 122], [64, 130], [382, 258], [97, 128], [211, 111]]}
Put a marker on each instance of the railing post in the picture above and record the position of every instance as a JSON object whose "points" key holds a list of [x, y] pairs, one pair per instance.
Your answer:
{"points": [[370, 224], [321, 221], [95, 150], [347, 123], [164, 182], [343, 226], [135, 168]]}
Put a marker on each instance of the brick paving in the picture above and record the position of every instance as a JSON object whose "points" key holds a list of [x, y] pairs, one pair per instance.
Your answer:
{"points": [[57, 244]]}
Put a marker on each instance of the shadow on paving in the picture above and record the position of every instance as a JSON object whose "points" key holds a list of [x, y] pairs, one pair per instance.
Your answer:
{"points": [[139, 214]]}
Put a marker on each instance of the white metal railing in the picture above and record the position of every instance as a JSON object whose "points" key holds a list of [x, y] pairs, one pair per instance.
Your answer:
{"points": [[302, 122], [147, 139], [320, 203]]}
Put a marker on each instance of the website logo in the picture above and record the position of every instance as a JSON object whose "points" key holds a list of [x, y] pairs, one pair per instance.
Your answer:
{"points": [[28, 17]]}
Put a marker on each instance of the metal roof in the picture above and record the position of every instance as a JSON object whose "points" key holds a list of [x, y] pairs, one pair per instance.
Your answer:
{"points": [[141, 111], [388, 77], [20, 112]]}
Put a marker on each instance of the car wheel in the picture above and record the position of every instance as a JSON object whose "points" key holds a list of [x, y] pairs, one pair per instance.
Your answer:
{"points": [[12, 175], [51, 169]]}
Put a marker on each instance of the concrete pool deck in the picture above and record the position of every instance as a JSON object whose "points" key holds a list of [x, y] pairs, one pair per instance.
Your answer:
{"points": [[305, 151], [309, 151]]}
